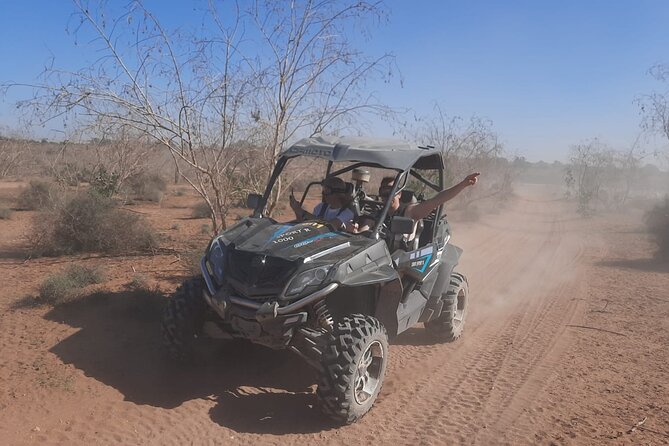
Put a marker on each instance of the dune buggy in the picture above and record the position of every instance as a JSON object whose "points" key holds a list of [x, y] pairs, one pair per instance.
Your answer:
{"points": [[332, 297]]}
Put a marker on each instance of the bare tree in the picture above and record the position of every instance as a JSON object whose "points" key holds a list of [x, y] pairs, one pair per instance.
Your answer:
{"points": [[655, 106], [14, 154], [468, 145], [252, 78], [314, 78], [589, 164]]}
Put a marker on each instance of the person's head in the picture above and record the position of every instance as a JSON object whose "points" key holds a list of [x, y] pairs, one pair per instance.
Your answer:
{"points": [[386, 188], [334, 192]]}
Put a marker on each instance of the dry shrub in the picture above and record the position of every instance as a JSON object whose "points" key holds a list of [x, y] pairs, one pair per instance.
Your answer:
{"points": [[91, 223], [5, 213], [190, 260], [657, 222], [67, 286], [72, 174], [148, 187], [37, 195], [201, 210]]}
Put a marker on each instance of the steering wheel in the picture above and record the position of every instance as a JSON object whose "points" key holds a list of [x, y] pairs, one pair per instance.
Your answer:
{"points": [[370, 209]]}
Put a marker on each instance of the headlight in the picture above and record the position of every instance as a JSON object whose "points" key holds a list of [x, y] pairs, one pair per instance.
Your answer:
{"points": [[217, 260], [312, 277]]}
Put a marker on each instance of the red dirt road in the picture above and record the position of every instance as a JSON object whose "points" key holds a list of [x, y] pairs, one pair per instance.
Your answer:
{"points": [[565, 343]]}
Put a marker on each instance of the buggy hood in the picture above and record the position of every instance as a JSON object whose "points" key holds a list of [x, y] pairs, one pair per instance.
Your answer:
{"points": [[292, 241]]}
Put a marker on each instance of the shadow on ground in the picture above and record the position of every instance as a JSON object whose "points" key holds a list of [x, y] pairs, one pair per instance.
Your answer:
{"points": [[119, 344], [415, 336], [647, 265]]}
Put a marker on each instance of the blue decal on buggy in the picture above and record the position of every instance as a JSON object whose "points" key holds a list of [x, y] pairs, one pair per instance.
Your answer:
{"points": [[280, 231], [314, 238], [421, 263]]}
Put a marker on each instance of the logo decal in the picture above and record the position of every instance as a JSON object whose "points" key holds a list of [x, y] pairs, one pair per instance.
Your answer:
{"points": [[313, 239], [421, 263]]}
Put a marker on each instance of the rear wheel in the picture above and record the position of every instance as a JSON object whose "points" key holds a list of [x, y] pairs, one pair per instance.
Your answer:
{"points": [[353, 367], [451, 321], [182, 323]]}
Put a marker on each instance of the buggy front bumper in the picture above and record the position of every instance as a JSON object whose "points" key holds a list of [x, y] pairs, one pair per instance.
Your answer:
{"points": [[263, 310]]}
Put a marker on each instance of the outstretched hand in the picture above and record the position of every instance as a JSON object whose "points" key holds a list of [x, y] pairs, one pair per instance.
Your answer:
{"points": [[294, 204], [471, 179]]}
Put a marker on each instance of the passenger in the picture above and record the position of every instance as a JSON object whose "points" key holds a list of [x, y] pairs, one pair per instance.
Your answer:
{"points": [[418, 210], [422, 209], [334, 208]]}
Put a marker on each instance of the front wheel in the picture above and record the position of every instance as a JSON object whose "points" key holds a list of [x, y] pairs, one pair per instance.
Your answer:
{"points": [[451, 321], [182, 323], [353, 367]]}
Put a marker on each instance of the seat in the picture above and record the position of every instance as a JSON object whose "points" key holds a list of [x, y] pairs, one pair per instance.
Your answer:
{"points": [[409, 197]]}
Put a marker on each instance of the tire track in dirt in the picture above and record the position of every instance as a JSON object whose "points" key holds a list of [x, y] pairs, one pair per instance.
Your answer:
{"points": [[523, 265], [475, 385]]}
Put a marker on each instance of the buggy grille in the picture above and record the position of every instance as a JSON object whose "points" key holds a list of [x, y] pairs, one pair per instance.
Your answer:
{"points": [[255, 275]]}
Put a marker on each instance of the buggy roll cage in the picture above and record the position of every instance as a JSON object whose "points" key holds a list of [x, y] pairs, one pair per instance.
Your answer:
{"points": [[403, 157]]}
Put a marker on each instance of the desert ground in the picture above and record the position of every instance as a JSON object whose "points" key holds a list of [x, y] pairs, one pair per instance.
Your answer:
{"points": [[566, 342]]}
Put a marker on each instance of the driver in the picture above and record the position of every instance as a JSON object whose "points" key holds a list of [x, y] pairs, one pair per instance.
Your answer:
{"points": [[334, 207]]}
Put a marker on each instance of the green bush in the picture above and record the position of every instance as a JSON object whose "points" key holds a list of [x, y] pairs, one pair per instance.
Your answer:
{"points": [[84, 275], [148, 187], [67, 286], [37, 195], [657, 223], [5, 213], [91, 223], [105, 183]]}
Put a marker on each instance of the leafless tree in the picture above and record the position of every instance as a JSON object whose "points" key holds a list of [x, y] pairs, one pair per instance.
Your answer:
{"points": [[589, 164], [655, 106], [255, 77], [14, 154], [468, 145]]}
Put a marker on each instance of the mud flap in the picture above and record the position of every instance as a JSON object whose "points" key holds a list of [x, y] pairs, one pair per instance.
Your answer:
{"points": [[449, 260], [409, 311]]}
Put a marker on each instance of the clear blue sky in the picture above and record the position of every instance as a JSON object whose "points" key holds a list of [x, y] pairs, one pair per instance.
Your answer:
{"points": [[547, 73]]}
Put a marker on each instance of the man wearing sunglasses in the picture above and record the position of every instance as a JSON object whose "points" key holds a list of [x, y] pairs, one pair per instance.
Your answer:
{"points": [[334, 208], [415, 210]]}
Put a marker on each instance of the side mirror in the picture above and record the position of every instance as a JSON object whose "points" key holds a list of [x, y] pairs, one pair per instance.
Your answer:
{"points": [[253, 200], [401, 225]]}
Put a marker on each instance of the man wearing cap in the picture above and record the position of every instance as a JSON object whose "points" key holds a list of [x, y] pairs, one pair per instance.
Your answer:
{"points": [[334, 208]]}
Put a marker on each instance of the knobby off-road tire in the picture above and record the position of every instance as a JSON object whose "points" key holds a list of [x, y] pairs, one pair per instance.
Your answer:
{"points": [[182, 322], [450, 323], [353, 367]]}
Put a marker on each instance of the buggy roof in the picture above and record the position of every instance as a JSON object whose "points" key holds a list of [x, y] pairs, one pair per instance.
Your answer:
{"points": [[388, 153]]}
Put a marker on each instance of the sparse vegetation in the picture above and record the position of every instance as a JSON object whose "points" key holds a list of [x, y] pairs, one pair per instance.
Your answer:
{"points": [[657, 222], [190, 261], [5, 213], [66, 286], [105, 183], [38, 195], [148, 187], [138, 283], [90, 222], [71, 173], [14, 154], [201, 210]]}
